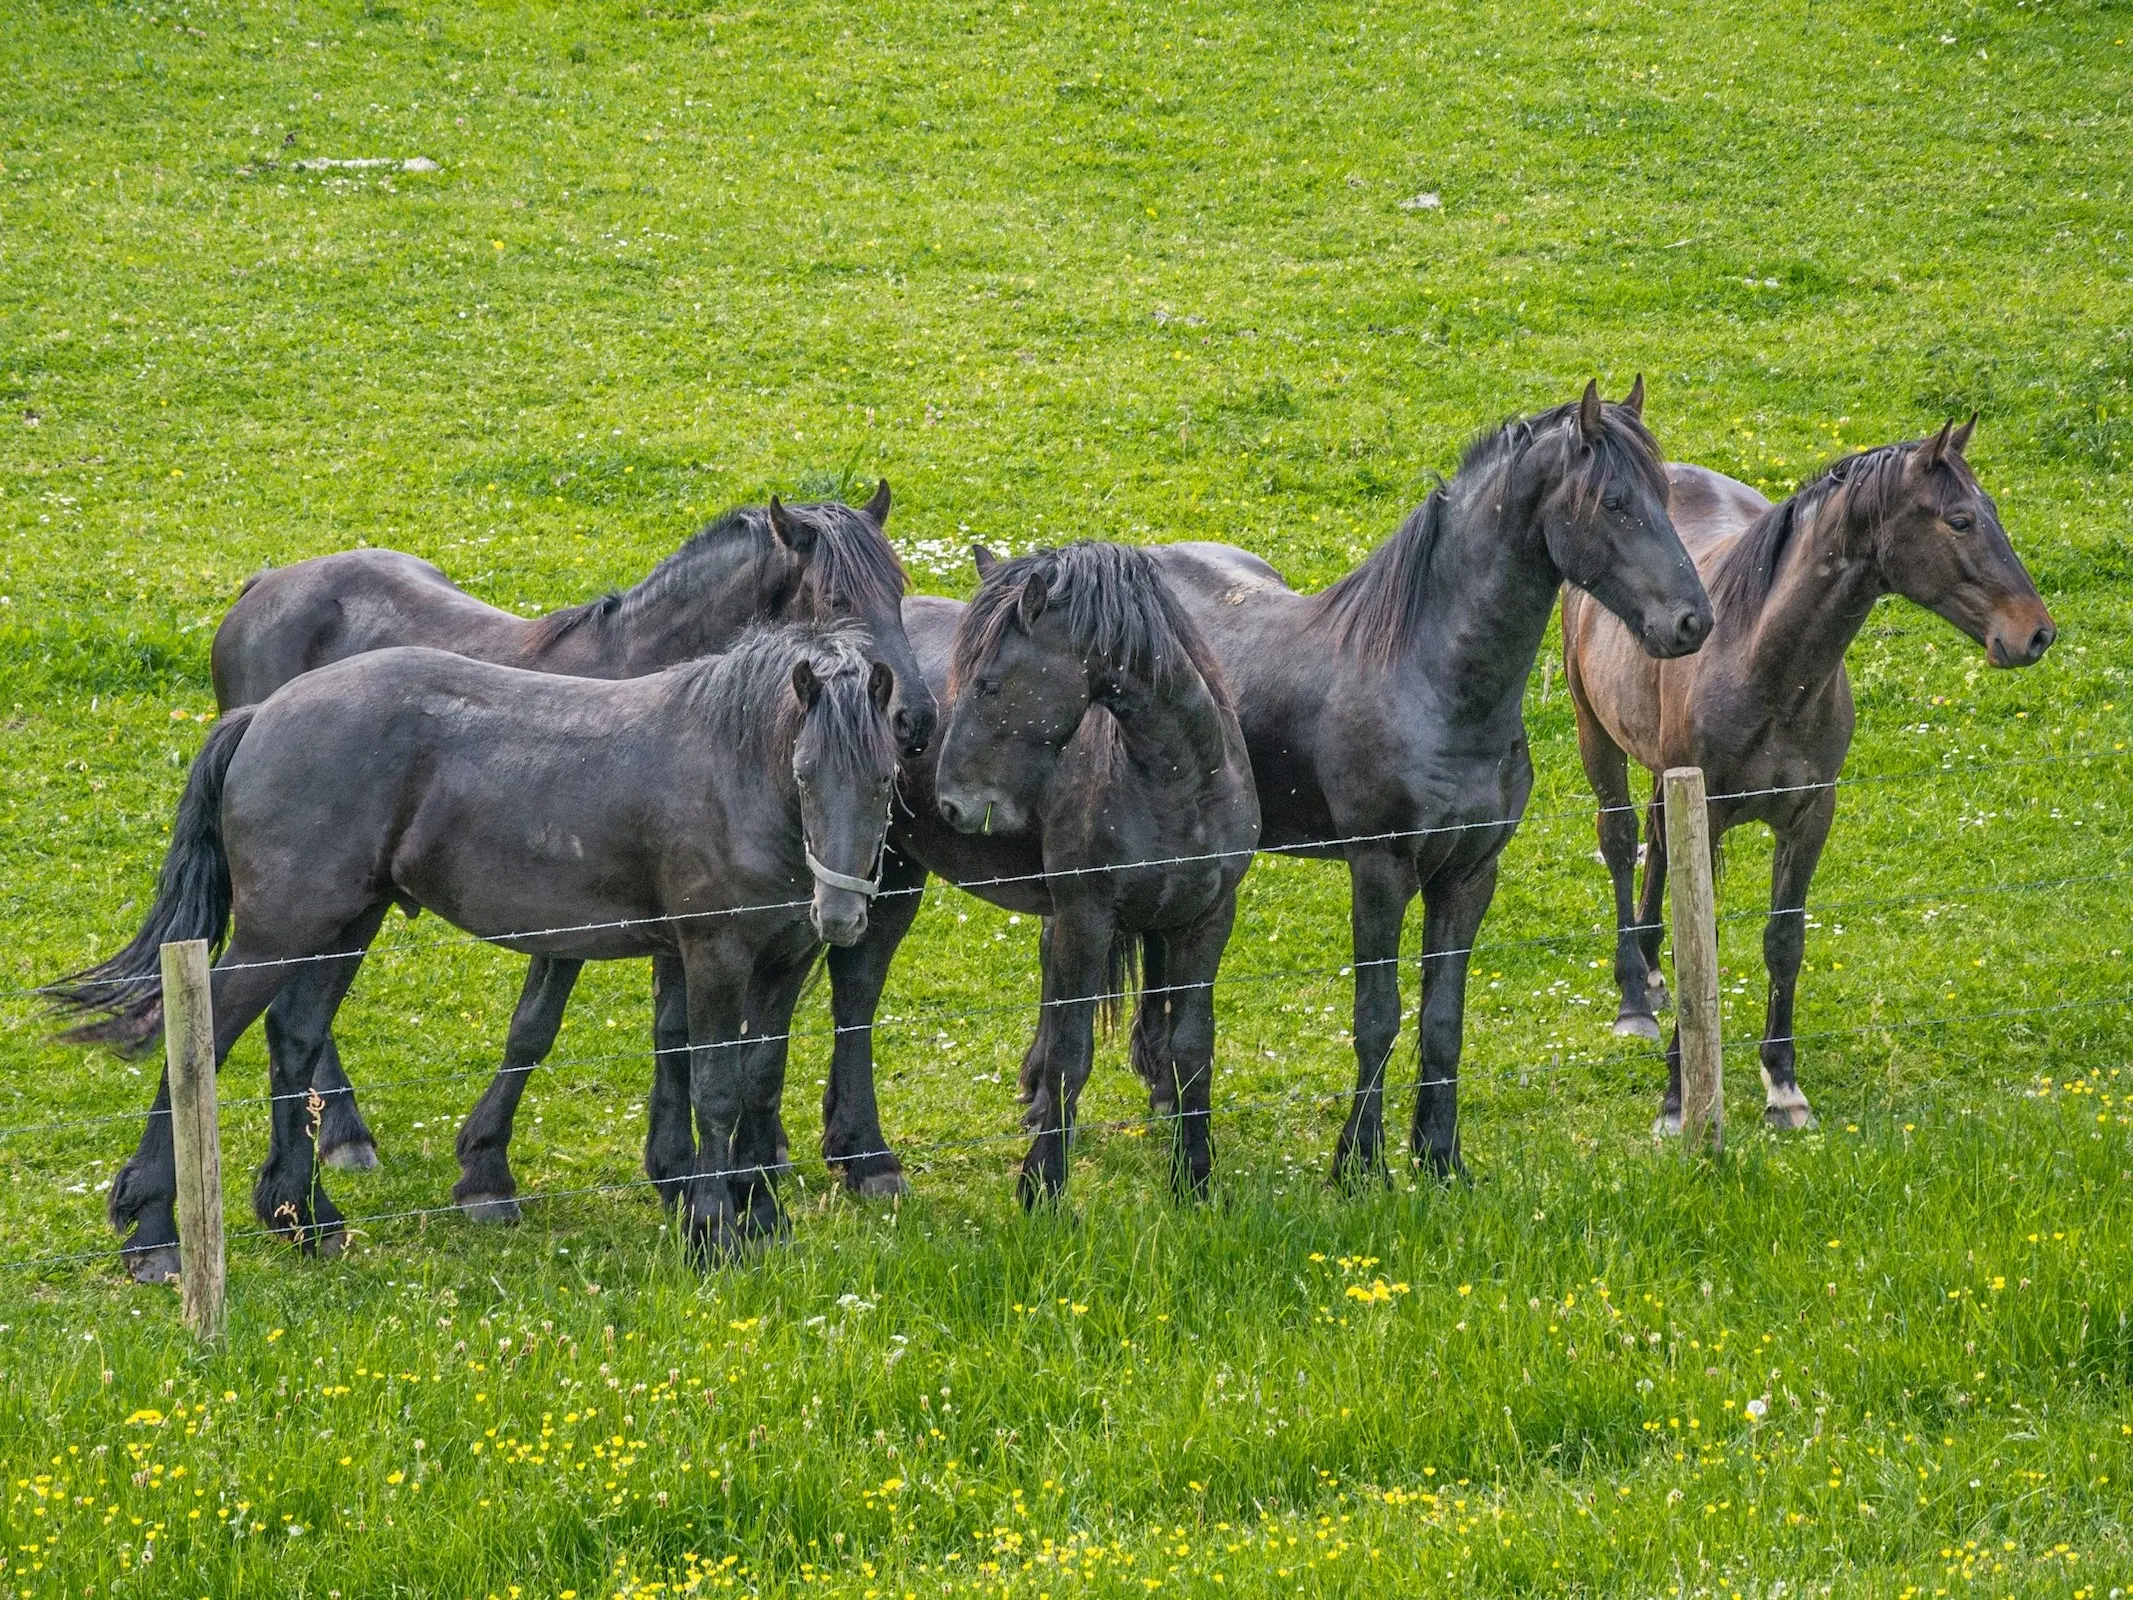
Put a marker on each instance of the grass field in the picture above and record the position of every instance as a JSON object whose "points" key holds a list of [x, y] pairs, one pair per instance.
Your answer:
{"points": [[1136, 272]]}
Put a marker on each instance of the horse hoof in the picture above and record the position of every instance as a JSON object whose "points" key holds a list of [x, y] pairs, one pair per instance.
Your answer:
{"points": [[1635, 1025], [1655, 994], [331, 1246], [879, 1186], [1790, 1116], [159, 1265], [498, 1209], [359, 1156], [1667, 1125]]}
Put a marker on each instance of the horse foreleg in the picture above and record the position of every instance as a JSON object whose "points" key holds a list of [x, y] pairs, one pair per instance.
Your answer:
{"points": [[1194, 957], [1031, 1074], [1381, 885], [1651, 907], [1077, 960], [1452, 914], [670, 1131], [1607, 768], [486, 1189], [1155, 1011], [852, 1136], [759, 1148], [142, 1205], [287, 1196], [715, 974], [1799, 850]]}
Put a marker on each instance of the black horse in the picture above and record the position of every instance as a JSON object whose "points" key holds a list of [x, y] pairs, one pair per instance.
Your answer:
{"points": [[802, 563], [1092, 753], [680, 814], [1383, 720], [1384, 714], [1094, 728]]}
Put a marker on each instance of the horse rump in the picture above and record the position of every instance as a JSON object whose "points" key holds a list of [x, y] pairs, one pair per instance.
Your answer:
{"points": [[123, 995]]}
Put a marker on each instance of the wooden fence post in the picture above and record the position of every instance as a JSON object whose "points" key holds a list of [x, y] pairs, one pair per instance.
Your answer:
{"points": [[189, 1049], [1688, 864]]}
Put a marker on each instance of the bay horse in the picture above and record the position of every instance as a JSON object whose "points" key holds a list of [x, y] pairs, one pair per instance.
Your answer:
{"points": [[725, 812], [824, 562], [1765, 708], [1384, 714]]}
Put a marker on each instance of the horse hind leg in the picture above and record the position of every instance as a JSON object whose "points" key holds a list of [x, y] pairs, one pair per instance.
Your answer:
{"points": [[487, 1191], [344, 1138], [286, 1195], [142, 1205]]}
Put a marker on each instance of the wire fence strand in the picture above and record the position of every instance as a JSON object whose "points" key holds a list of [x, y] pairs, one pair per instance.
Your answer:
{"points": [[1324, 846]]}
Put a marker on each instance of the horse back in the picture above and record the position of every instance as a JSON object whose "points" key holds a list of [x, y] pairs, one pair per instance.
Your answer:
{"points": [[501, 799], [293, 620], [1709, 509]]}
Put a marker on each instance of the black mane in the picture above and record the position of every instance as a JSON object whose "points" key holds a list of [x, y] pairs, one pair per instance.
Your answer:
{"points": [[1119, 613], [1379, 607], [853, 561], [1868, 480], [747, 694]]}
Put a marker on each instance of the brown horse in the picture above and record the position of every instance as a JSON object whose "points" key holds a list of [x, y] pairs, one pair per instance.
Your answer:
{"points": [[1765, 708]]}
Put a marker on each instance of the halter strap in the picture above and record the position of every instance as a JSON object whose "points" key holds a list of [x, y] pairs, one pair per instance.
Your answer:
{"points": [[868, 887]]}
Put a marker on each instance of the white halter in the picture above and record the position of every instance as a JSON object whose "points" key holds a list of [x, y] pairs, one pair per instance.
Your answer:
{"points": [[867, 887]]}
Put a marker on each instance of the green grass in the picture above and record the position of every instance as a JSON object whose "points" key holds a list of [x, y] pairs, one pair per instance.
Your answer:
{"points": [[1129, 272]]}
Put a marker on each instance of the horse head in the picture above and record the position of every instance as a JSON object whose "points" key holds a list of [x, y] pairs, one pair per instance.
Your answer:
{"points": [[844, 765], [1938, 541], [842, 569], [1603, 513]]}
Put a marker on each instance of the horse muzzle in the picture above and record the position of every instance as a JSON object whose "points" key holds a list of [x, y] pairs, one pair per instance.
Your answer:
{"points": [[839, 908], [843, 924], [2020, 640], [973, 814], [1679, 631]]}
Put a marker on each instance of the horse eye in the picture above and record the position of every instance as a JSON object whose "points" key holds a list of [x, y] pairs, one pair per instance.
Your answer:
{"points": [[988, 686], [1960, 522], [1613, 502]]}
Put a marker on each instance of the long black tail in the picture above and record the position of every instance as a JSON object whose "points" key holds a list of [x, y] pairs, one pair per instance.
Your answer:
{"points": [[124, 994]]}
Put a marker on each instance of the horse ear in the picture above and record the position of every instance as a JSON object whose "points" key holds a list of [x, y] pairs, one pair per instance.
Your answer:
{"points": [[805, 684], [1589, 413], [796, 535], [878, 506], [1935, 449], [1959, 440], [1036, 595], [881, 686], [985, 560], [1633, 402]]}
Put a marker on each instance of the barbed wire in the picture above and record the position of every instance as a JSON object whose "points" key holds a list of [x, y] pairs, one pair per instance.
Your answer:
{"points": [[1299, 1098], [1227, 981], [1299, 848]]}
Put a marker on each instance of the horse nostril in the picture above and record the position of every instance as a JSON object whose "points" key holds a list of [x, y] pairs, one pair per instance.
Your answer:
{"points": [[951, 813], [2041, 641]]}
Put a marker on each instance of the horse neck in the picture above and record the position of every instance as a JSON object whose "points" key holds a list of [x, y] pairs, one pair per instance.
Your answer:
{"points": [[1819, 599], [1175, 738], [1491, 587], [698, 605]]}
